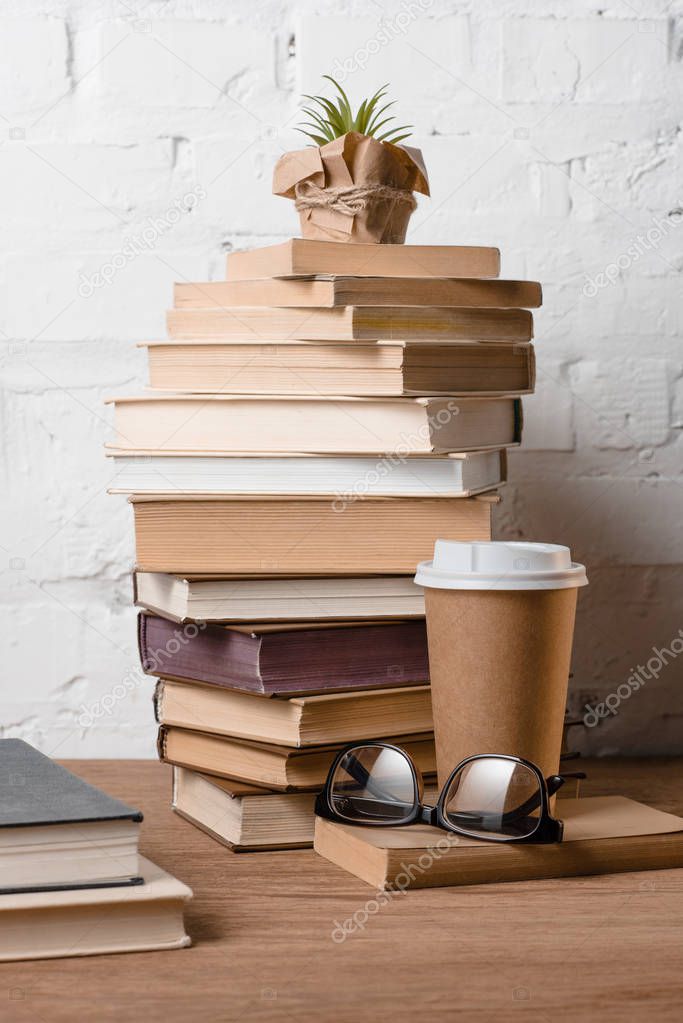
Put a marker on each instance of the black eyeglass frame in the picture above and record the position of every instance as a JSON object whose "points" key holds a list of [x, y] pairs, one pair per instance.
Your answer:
{"points": [[548, 829]]}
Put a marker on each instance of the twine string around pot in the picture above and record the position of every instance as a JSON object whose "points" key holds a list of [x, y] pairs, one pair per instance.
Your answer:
{"points": [[348, 199]]}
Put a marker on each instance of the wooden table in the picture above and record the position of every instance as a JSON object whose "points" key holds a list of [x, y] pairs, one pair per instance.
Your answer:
{"points": [[607, 948]]}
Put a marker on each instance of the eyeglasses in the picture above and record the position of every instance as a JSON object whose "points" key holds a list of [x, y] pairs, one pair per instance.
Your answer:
{"points": [[490, 796]]}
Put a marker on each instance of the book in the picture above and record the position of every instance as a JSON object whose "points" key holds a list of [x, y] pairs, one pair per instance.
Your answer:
{"points": [[602, 835], [300, 721], [300, 536], [58, 924], [288, 662], [454, 475], [327, 292], [351, 323], [302, 257], [230, 424], [268, 765], [310, 367], [278, 600], [56, 831], [243, 817]]}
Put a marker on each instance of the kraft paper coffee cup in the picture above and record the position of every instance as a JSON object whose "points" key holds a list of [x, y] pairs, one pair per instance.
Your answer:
{"points": [[500, 624]]}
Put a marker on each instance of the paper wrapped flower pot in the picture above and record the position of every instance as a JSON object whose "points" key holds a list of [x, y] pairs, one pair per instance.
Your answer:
{"points": [[353, 189]]}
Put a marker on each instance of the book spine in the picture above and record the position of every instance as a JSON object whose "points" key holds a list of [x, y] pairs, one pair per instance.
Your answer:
{"points": [[162, 736]]}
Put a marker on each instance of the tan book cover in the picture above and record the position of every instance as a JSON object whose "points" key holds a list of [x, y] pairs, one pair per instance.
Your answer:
{"points": [[231, 424], [309, 367], [302, 257], [351, 323], [243, 817], [277, 767], [299, 722], [603, 835], [281, 537], [323, 292]]}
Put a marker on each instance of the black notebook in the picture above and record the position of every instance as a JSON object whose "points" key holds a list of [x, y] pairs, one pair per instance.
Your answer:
{"points": [[56, 831]]}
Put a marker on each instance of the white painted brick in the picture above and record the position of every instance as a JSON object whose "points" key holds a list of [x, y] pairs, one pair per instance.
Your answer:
{"points": [[622, 404], [188, 64], [86, 295], [94, 189], [33, 65], [548, 413], [364, 52], [607, 520], [586, 61]]}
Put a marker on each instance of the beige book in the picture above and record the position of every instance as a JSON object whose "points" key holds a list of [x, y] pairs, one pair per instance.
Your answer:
{"points": [[324, 292], [308, 367], [280, 601], [602, 835], [352, 323], [301, 721], [95, 921], [277, 767], [302, 257], [292, 536], [230, 424], [244, 817]]}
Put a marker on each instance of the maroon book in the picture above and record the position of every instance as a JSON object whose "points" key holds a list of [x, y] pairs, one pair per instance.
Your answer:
{"points": [[289, 662]]}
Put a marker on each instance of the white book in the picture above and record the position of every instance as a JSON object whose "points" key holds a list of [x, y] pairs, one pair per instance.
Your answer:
{"points": [[457, 475], [341, 598], [97, 921]]}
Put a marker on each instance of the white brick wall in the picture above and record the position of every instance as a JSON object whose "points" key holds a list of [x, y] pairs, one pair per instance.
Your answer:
{"points": [[550, 128]]}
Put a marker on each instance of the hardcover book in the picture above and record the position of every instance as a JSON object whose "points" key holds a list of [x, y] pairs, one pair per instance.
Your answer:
{"points": [[292, 536], [299, 721], [310, 367], [455, 475], [244, 817], [351, 323], [266, 764], [302, 257], [603, 835], [230, 424], [56, 831], [57, 924], [321, 292], [306, 600], [295, 661]]}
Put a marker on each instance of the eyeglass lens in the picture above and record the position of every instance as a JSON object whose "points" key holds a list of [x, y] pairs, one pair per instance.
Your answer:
{"points": [[495, 797], [372, 783]]}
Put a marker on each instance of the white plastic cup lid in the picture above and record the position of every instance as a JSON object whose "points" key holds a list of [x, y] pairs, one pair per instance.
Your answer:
{"points": [[498, 565]]}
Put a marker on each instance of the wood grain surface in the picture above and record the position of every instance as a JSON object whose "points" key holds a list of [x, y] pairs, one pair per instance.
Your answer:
{"points": [[605, 948]]}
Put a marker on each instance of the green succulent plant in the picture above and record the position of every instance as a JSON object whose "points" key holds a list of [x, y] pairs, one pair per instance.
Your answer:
{"points": [[329, 120]]}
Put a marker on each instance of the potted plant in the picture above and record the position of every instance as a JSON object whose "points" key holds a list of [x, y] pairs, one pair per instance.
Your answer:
{"points": [[354, 183]]}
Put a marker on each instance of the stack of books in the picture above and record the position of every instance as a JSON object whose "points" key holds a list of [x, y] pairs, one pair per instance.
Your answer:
{"points": [[71, 880], [315, 422]]}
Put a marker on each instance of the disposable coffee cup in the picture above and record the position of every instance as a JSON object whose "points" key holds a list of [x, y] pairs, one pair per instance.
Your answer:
{"points": [[500, 625]]}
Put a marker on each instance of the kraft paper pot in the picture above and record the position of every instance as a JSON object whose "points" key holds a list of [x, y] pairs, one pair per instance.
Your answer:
{"points": [[500, 626], [353, 189]]}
